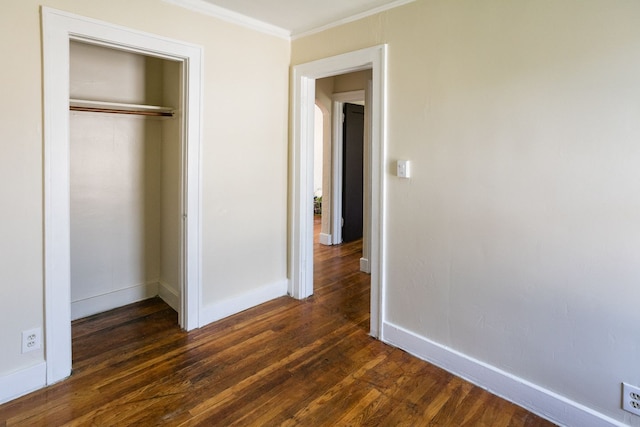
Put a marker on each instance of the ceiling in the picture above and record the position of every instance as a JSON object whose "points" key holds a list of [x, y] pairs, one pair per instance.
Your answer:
{"points": [[290, 18]]}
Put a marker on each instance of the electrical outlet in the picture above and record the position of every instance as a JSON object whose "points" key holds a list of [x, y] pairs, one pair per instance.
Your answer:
{"points": [[31, 340], [631, 398]]}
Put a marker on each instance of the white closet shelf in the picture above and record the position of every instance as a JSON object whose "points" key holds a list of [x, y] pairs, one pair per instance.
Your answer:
{"points": [[119, 108]]}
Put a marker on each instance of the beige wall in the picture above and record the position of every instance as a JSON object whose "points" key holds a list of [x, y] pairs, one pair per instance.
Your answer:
{"points": [[244, 155], [516, 241], [351, 81]]}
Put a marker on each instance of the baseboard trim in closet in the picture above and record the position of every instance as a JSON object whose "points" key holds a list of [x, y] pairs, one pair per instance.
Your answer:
{"points": [[111, 300], [169, 295]]}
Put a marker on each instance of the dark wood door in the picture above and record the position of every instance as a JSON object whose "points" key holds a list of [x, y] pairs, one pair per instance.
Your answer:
{"points": [[352, 176]]}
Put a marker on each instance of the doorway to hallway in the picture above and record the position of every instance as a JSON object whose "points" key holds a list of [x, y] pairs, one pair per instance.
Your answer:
{"points": [[301, 258]]}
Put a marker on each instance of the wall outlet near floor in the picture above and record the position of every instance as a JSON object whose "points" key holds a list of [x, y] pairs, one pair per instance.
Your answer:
{"points": [[631, 398], [31, 340]]}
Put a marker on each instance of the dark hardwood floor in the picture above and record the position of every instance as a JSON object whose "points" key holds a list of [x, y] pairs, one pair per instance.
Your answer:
{"points": [[283, 363]]}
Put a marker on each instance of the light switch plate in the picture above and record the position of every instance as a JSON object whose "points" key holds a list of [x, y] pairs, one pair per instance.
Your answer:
{"points": [[403, 169]]}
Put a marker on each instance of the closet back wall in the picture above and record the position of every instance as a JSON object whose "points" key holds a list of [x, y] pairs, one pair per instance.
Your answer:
{"points": [[124, 194]]}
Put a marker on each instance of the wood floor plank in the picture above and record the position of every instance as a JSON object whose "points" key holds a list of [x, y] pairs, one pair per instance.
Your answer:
{"points": [[285, 362], [114, 318]]}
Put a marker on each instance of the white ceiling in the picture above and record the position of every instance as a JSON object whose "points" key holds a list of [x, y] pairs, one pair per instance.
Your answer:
{"points": [[290, 18]]}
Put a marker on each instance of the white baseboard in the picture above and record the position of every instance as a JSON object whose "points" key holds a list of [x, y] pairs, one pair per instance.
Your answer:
{"points": [[233, 305], [364, 265], [111, 300], [540, 401], [325, 239], [169, 295], [24, 381]]}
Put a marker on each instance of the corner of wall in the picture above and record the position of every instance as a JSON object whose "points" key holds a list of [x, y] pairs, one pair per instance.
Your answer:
{"points": [[169, 295]]}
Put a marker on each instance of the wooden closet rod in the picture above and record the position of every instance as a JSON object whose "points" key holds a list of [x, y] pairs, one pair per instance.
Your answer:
{"points": [[116, 111], [119, 108]]}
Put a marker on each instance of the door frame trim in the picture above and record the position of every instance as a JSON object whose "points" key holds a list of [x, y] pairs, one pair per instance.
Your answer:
{"points": [[58, 29], [301, 171]]}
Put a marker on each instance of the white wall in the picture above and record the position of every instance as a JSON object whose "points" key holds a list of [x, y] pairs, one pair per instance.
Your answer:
{"points": [[117, 182], [115, 209], [516, 241], [103, 74], [243, 207]]}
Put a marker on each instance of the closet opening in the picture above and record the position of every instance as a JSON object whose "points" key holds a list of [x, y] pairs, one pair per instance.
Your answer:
{"points": [[147, 223], [125, 178]]}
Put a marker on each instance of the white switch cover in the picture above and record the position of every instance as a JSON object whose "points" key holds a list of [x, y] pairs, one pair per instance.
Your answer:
{"points": [[404, 169]]}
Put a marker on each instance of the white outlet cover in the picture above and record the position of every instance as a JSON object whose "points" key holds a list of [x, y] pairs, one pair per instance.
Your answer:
{"points": [[31, 340], [631, 398]]}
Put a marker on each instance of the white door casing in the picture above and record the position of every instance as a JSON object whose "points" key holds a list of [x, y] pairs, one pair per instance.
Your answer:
{"points": [[301, 171], [58, 28]]}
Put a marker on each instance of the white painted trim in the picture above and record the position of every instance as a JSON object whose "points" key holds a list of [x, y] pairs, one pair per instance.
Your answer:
{"points": [[301, 170], [338, 101], [364, 265], [227, 307], [540, 401], [227, 15], [57, 271], [325, 239], [366, 187], [100, 303], [58, 28], [168, 294], [22, 382], [307, 32], [301, 186]]}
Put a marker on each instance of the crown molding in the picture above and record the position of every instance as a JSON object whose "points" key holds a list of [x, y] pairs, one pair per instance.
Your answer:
{"points": [[227, 15], [310, 31]]}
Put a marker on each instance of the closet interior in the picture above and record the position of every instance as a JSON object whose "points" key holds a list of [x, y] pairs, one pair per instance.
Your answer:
{"points": [[125, 180]]}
